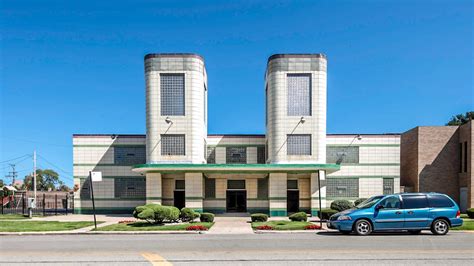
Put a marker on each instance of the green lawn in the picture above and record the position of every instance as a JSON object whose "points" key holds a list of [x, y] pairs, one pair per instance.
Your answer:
{"points": [[40, 226], [282, 225], [144, 226], [12, 217], [468, 224]]}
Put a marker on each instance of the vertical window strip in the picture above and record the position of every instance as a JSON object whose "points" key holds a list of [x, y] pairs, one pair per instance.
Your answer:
{"points": [[173, 144], [210, 188], [211, 155], [129, 187], [237, 155], [262, 188], [172, 94], [299, 94], [299, 144], [388, 186], [129, 155], [342, 187], [260, 155]]}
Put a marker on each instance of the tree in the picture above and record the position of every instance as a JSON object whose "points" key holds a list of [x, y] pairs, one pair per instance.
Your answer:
{"points": [[460, 119], [1, 182], [46, 179]]}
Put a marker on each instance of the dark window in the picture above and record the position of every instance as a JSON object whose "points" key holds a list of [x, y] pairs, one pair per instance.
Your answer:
{"points": [[342, 187], [85, 189], [292, 184], [211, 155], [172, 94], [465, 156], [129, 155], [210, 188], [299, 94], [439, 201], [391, 203], [262, 188], [299, 144], [236, 155], [414, 201], [387, 186], [261, 155], [179, 184], [342, 154], [235, 184], [461, 158], [172, 144], [130, 187]]}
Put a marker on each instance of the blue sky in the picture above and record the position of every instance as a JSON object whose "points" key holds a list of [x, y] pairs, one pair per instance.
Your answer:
{"points": [[78, 67]]}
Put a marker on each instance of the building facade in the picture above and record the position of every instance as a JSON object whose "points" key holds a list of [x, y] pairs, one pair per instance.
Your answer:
{"points": [[178, 163], [439, 159]]}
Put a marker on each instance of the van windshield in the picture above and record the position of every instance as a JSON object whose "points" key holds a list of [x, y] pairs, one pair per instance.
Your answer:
{"points": [[369, 202]]}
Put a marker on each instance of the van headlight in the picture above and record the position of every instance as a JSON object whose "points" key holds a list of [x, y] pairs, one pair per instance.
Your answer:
{"points": [[344, 218]]}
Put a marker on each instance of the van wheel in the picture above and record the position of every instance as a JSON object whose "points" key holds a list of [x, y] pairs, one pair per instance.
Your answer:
{"points": [[414, 232], [363, 227], [344, 232], [440, 227]]}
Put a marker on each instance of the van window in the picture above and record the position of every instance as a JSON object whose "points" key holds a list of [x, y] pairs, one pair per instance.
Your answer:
{"points": [[439, 201], [391, 203], [414, 201]]}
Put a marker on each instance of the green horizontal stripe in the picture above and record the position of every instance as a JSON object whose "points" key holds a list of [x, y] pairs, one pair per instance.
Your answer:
{"points": [[153, 198], [236, 145], [194, 198], [277, 198], [370, 164], [363, 145], [361, 176], [112, 177], [111, 199], [317, 198]]}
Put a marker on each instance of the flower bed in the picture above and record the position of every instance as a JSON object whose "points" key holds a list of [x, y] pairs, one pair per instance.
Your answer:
{"points": [[312, 227], [196, 228], [264, 227]]}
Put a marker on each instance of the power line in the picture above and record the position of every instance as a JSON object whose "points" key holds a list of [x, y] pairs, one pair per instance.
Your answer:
{"points": [[69, 173], [15, 158], [40, 142]]}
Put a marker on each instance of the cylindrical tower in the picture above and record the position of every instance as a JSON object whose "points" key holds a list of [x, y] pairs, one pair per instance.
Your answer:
{"points": [[295, 87], [176, 108]]}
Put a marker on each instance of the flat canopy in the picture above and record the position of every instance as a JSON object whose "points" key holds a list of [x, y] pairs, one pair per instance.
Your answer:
{"points": [[235, 168]]}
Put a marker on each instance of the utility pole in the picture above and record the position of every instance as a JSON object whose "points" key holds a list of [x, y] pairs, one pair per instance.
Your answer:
{"points": [[12, 174], [34, 175]]}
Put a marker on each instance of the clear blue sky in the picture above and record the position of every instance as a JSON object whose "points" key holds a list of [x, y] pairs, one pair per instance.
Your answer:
{"points": [[78, 67]]}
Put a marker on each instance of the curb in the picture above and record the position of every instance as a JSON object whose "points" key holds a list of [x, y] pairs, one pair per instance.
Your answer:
{"points": [[290, 231], [103, 233]]}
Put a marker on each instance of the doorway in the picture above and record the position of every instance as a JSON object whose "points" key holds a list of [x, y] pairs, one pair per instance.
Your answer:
{"points": [[236, 201], [179, 199], [293, 201]]}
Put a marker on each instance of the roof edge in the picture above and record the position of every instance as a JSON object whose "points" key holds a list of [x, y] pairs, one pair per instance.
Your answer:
{"points": [[162, 55]]}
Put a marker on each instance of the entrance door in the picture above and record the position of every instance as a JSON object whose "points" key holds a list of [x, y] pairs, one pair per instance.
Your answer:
{"points": [[236, 200], [179, 199], [293, 201]]}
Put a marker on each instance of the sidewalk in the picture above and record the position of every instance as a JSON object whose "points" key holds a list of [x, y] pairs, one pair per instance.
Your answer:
{"points": [[231, 225]]}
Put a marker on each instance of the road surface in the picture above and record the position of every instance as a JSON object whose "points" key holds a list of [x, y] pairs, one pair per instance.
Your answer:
{"points": [[456, 248]]}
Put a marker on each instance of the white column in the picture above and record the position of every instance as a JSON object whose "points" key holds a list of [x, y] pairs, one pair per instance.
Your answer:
{"points": [[315, 191], [194, 185], [153, 188], [277, 194]]}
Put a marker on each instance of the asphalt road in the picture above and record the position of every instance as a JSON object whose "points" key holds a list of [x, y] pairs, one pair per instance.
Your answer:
{"points": [[456, 248]]}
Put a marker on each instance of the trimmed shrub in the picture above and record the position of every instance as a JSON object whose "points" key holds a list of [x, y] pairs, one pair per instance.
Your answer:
{"points": [[341, 205], [359, 201], [326, 213], [155, 213], [259, 217], [188, 215], [174, 214], [470, 213], [299, 217], [206, 217]]}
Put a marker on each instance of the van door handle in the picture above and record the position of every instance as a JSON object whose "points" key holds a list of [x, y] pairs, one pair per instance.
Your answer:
{"points": [[410, 212], [398, 212]]}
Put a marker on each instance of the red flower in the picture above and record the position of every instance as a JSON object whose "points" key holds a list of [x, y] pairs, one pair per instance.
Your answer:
{"points": [[126, 221], [196, 228], [264, 227], [312, 227]]}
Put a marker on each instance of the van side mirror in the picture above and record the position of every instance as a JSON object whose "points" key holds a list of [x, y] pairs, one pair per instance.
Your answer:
{"points": [[378, 207]]}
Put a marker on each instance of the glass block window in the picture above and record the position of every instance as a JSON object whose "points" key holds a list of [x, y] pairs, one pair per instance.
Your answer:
{"points": [[299, 94], [261, 155], [342, 187], [85, 192], [210, 188], [235, 184], [130, 187], [387, 186], [129, 155], [236, 155], [172, 144], [172, 94], [292, 184], [299, 144], [211, 155], [262, 188], [179, 185], [342, 154]]}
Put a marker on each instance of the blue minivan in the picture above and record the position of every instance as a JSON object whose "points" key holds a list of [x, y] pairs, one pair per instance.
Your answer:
{"points": [[408, 211]]}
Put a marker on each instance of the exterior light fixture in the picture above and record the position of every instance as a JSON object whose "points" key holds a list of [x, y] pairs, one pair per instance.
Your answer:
{"points": [[168, 120], [302, 120]]}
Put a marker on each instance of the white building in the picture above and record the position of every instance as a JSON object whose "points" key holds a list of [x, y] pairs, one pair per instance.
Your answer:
{"points": [[178, 163]]}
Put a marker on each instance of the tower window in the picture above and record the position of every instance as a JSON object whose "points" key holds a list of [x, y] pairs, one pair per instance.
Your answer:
{"points": [[172, 144], [172, 94], [299, 144], [299, 94]]}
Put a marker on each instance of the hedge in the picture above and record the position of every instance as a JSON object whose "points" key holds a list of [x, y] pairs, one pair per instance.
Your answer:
{"points": [[341, 205], [470, 213], [326, 213], [299, 217], [359, 201], [259, 217], [188, 215], [206, 217], [155, 213]]}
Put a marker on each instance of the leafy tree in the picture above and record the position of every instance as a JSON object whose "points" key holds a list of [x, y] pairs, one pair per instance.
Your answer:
{"points": [[460, 119], [1, 183], [46, 179]]}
